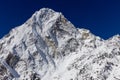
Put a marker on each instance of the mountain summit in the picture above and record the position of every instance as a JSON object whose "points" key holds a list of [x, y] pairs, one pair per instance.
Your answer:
{"points": [[48, 47]]}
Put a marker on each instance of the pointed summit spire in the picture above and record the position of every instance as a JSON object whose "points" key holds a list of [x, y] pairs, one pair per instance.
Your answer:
{"points": [[45, 14]]}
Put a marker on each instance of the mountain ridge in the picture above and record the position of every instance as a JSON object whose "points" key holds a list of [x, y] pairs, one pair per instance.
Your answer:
{"points": [[49, 47]]}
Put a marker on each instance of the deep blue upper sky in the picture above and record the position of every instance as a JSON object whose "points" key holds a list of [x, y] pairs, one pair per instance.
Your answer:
{"points": [[101, 17]]}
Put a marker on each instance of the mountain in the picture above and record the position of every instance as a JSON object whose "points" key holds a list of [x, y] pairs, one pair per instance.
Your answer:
{"points": [[48, 47]]}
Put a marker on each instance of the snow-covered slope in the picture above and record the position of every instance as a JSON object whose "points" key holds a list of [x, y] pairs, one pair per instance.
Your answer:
{"points": [[48, 47]]}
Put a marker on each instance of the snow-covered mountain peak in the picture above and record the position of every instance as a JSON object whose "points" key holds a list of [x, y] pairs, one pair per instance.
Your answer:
{"points": [[41, 41], [48, 47], [43, 15]]}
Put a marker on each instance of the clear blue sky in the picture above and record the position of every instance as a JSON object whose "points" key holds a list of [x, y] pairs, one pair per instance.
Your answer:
{"points": [[101, 17]]}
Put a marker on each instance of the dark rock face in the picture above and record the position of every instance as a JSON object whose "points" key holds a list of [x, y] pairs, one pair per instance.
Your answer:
{"points": [[12, 59]]}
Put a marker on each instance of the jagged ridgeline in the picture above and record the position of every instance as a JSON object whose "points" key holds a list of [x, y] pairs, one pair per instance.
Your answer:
{"points": [[48, 47]]}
